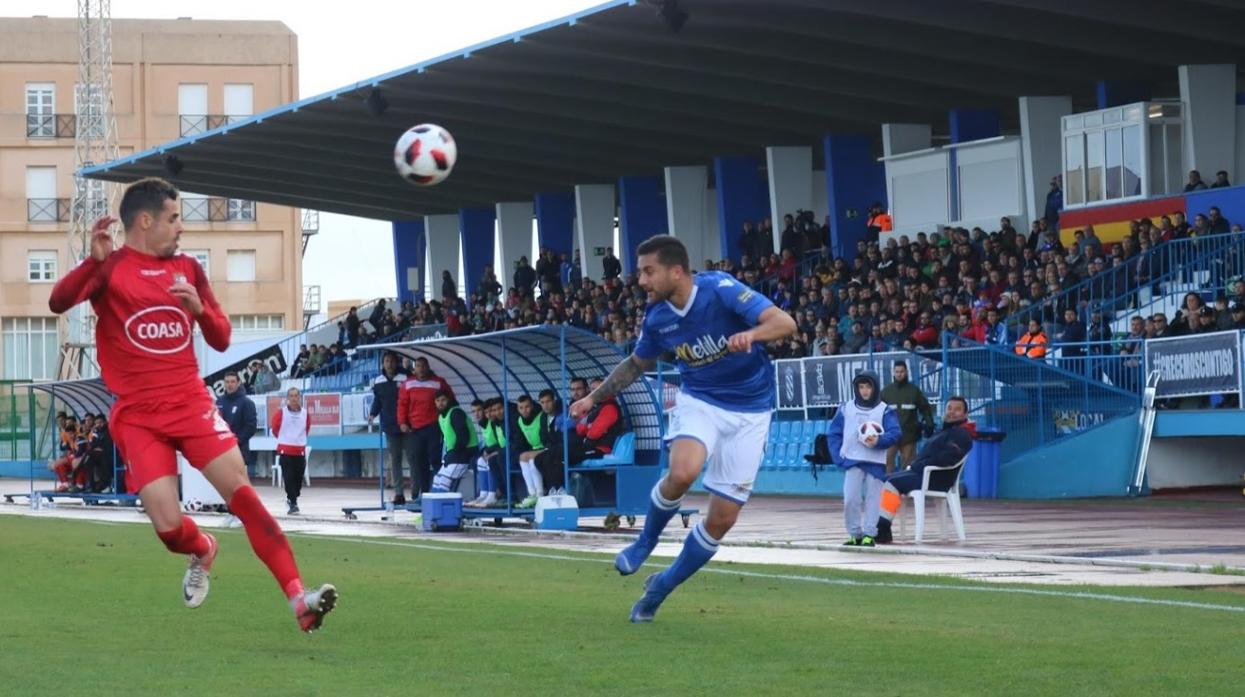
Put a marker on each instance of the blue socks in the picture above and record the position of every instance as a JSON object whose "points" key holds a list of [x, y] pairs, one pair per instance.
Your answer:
{"points": [[660, 511], [698, 549]]}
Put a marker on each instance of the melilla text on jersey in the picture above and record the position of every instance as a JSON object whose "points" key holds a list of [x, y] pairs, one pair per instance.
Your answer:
{"points": [[706, 349]]}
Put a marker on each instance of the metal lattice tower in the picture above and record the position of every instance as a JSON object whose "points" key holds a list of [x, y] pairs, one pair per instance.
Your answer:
{"points": [[95, 141]]}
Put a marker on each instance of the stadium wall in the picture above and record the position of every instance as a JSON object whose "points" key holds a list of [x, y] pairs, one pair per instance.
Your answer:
{"points": [[1097, 462]]}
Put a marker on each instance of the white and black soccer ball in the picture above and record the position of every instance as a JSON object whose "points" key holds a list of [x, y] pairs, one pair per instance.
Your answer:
{"points": [[193, 505], [869, 429], [425, 154]]}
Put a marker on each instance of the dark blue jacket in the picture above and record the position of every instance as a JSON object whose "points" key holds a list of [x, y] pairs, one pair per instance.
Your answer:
{"points": [[239, 412], [385, 401], [944, 448]]}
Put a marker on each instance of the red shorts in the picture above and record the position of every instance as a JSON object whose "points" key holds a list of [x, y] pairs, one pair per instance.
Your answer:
{"points": [[150, 433]]}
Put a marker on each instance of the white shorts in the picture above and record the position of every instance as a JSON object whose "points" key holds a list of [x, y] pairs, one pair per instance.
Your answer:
{"points": [[734, 440]]}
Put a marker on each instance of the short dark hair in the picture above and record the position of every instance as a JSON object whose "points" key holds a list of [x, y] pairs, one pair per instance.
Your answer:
{"points": [[477, 403], [525, 398], [232, 373], [669, 249], [960, 399], [547, 393], [145, 195], [579, 379]]}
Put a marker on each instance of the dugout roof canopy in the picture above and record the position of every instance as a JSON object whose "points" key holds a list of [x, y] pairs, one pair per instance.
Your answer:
{"points": [[81, 396], [522, 361], [613, 91]]}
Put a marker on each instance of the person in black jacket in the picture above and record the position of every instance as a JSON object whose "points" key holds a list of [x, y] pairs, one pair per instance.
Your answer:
{"points": [[385, 405], [944, 449], [611, 267], [239, 412]]}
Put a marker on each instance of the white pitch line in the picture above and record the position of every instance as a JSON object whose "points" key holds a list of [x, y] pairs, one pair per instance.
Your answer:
{"points": [[907, 585]]}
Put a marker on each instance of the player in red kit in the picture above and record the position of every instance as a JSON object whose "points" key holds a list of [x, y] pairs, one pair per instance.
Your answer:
{"points": [[148, 298]]}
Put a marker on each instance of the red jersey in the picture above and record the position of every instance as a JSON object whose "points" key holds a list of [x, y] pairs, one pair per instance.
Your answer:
{"points": [[144, 338], [417, 400]]}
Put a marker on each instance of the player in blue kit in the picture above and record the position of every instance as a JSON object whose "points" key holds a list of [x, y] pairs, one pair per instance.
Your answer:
{"points": [[714, 327]]}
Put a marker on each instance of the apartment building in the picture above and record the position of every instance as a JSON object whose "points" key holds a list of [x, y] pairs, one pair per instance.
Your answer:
{"points": [[171, 78]]}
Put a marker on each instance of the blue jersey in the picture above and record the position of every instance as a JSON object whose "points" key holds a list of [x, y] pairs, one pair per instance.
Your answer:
{"points": [[718, 308]]}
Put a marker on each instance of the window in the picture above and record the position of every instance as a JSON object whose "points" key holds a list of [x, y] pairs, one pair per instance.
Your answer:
{"points": [[241, 267], [41, 266], [1074, 161], [239, 102], [1114, 159], [241, 210], [203, 257], [40, 105], [31, 348], [1094, 155], [41, 203], [192, 106], [1132, 160], [257, 323]]}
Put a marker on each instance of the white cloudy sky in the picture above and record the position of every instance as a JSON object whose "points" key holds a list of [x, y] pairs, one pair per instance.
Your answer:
{"points": [[340, 43]]}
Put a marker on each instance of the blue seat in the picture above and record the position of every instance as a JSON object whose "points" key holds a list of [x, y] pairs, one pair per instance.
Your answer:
{"points": [[786, 432], [623, 454]]}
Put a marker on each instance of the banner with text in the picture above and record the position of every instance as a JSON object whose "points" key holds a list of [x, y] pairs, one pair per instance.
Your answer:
{"points": [[826, 381], [1201, 364], [272, 355]]}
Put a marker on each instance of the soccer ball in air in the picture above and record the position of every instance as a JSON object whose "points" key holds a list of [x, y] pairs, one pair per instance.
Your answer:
{"points": [[425, 154], [868, 430]]}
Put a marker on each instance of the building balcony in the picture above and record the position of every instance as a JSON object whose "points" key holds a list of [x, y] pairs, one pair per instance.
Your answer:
{"points": [[194, 124], [47, 210], [217, 210], [51, 125]]}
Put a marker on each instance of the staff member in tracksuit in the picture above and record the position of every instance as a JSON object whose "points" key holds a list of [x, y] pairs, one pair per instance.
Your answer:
{"points": [[862, 455], [945, 449], [239, 412], [461, 443], [385, 390], [916, 416], [417, 416], [291, 425]]}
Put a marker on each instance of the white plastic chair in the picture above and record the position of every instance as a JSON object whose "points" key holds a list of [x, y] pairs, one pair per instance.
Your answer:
{"points": [[278, 477], [951, 497]]}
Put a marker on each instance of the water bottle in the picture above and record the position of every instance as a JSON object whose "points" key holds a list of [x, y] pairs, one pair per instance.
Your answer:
{"points": [[49, 504], [36, 502]]}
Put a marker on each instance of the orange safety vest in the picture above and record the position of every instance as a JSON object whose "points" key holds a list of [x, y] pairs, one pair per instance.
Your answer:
{"points": [[1032, 345], [882, 221]]}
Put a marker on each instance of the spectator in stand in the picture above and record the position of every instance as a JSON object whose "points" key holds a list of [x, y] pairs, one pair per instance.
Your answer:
{"points": [[791, 238], [1195, 182], [1072, 339], [524, 276], [610, 265], [879, 221], [1186, 317], [239, 412], [1206, 321], [352, 327], [301, 365], [572, 272], [926, 333], [1054, 203], [290, 425], [449, 289], [1221, 180], [1033, 343], [1238, 315], [1218, 223], [385, 392], [489, 289], [265, 380], [417, 417]]}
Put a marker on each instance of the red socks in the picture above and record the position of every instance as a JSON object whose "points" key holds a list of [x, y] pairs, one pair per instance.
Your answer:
{"points": [[267, 540], [185, 539]]}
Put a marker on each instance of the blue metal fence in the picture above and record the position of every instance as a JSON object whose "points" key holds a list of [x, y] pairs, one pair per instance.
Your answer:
{"points": [[1202, 263]]}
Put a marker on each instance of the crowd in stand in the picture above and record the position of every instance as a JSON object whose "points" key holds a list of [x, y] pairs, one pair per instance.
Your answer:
{"points": [[903, 293]]}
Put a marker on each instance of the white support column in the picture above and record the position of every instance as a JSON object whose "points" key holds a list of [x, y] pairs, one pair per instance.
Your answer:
{"points": [[899, 138], [790, 183], [514, 224], [1208, 102], [443, 243], [686, 213], [713, 234], [1041, 143], [594, 225]]}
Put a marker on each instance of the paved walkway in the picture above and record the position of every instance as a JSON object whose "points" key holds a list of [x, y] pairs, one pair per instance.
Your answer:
{"points": [[1151, 541]]}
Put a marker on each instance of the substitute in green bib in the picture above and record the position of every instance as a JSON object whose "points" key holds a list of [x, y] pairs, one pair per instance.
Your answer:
{"points": [[461, 442]]}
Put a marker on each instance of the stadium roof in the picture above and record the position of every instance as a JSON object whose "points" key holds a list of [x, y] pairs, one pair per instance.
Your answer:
{"points": [[613, 91], [88, 396], [523, 361]]}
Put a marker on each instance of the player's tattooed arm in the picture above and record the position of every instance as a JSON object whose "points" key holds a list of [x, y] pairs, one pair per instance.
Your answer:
{"points": [[626, 373]]}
